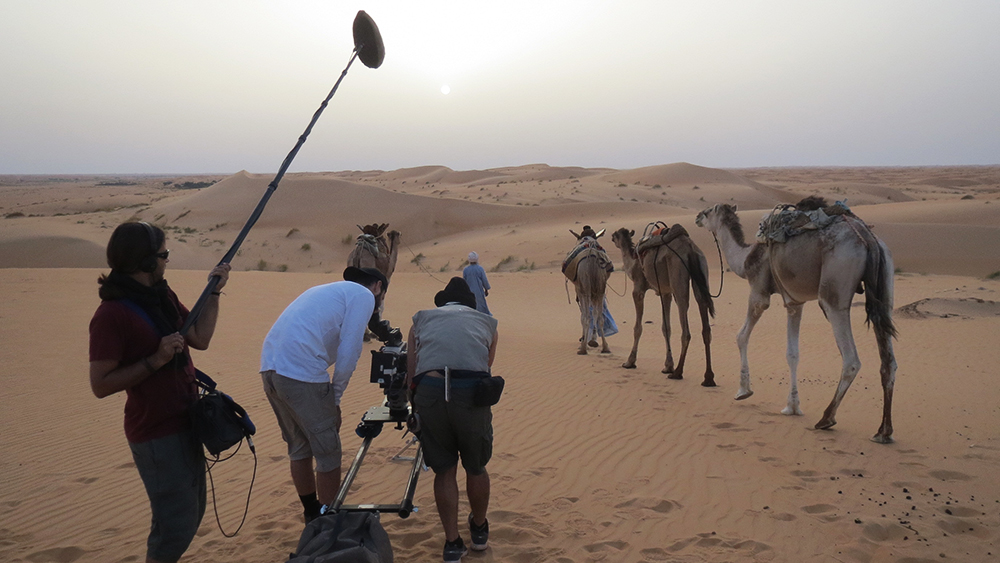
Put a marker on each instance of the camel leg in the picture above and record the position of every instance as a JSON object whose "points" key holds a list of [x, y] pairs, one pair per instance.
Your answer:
{"points": [[706, 336], [639, 300], [883, 336], [668, 365], [585, 321], [792, 356], [841, 321], [888, 373], [599, 316], [755, 308], [682, 315]]}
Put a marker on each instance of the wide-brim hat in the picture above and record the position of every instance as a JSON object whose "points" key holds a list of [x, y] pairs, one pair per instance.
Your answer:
{"points": [[456, 291], [365, 276]]}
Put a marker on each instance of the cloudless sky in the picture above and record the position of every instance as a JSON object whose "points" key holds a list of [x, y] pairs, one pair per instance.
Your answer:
{"points": [[203, 86]]}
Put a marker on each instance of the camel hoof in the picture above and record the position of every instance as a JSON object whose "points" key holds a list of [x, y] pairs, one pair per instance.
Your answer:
{"points": [[674, 375], [581, 352], [742, 396], [592, 344], [825, 424], [789, 411], [628, 365], [708, 383], [606, 351], [880, 439]]}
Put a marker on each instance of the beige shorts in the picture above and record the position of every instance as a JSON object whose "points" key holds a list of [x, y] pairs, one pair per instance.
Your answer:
{"points": [[308, 418]]}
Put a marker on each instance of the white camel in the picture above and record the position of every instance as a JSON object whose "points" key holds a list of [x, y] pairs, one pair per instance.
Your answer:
{"points": [[829, 265]]}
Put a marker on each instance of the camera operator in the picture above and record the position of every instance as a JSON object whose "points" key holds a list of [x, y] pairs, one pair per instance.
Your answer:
{"points": [[323, 327], [457, 339]]}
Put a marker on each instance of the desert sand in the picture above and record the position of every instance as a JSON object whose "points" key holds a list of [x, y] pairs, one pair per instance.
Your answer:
{"points": [[592, 462]]}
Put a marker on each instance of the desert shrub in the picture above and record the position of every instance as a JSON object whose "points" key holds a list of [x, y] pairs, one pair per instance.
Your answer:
{"points": [[347, 239], [292, 232], [502, 263], [262, 265], [993, 276], [14, 215], [418, 259], [306, 246], [445, 267], [283, 267]]}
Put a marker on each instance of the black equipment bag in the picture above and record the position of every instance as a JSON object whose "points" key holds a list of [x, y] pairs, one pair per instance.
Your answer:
{"points": [[344, 537], [488, 391], [217, 421]]}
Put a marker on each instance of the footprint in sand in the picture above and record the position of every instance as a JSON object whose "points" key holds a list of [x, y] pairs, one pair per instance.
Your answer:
{"points": [[730, 426], [821, 510], [783, 517], [884, 532], [946, 475], [655, 554], [56, 555], [656, 505], [604, 545]]}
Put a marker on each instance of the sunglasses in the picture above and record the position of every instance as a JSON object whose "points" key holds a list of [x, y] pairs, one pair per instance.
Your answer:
{"points": [[164, 255]]}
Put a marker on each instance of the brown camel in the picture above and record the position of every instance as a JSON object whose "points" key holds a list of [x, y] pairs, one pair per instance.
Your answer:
{"points": [[829, 265], [588, 267], [372, 250], [672, 266]]}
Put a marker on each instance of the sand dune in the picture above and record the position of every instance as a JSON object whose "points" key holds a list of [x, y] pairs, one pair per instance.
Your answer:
{"points": [[592, 462]]}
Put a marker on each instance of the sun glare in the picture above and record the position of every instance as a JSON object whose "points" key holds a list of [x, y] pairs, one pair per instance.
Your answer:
{"points": [[445, 90]]}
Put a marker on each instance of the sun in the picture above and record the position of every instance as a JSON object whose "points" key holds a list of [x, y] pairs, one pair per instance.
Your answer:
{"points": [[445, 89]]}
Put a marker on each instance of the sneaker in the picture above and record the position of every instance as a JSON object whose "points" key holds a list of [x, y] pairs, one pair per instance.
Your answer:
{"points": [[480, 534], [454, 550]]}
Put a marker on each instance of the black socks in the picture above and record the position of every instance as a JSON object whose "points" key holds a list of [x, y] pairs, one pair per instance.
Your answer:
{"points": [[311, 506]]}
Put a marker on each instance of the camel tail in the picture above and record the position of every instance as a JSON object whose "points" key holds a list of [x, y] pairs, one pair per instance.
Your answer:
{"points": [[698, 267], [878, 281]]}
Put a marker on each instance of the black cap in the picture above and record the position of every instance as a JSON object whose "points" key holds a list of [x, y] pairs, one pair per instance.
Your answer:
{"points": [[365, 276], [456, 291]]}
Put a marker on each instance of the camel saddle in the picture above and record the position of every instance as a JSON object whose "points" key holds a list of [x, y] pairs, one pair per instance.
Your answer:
{"points": [[578, 254], [369, 243], [659, 237], [786, 221]]}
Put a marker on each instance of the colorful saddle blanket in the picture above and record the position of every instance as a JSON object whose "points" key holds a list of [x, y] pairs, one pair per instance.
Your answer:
{"points": [[582, 252]]}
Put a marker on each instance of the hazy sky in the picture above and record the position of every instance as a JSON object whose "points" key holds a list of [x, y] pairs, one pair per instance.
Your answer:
{"points": [[126, 86]]}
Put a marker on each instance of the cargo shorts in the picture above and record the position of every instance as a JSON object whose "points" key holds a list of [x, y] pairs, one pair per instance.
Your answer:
{"points": [[308, 418], [449, 430]]}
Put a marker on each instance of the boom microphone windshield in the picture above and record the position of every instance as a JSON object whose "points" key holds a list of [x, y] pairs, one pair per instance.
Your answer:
{"points": [[368, 41]]}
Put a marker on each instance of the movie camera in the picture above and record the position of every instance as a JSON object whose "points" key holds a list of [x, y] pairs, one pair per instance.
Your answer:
{"points": [[389, 372]]}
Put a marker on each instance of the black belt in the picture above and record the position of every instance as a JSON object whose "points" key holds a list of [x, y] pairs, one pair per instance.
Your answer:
{"points": [[453, 374]]}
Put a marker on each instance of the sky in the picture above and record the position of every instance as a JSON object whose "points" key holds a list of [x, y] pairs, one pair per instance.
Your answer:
{"points": [[218, 86]]}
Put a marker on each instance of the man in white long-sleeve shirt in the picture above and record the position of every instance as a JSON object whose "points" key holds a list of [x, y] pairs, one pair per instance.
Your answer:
{"points": [[323, 327]]}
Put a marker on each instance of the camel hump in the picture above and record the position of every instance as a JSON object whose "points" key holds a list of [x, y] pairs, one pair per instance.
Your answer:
{"points": [[660, 237]]}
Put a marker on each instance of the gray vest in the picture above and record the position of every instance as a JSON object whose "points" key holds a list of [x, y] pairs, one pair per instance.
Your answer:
{"points": [[453, 336]]}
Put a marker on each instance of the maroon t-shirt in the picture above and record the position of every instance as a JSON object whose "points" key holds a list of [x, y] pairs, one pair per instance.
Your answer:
{"points": [[158, 406]]}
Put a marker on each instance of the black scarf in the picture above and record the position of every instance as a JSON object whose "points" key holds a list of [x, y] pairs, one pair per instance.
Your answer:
{"points": [[155, 300]]}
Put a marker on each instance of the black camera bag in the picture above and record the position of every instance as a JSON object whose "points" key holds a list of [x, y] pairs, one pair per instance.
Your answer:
{"points": [[218, 422]]}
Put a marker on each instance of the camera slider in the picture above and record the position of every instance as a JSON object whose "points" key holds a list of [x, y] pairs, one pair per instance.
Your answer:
{"points": [[370, 427]]}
